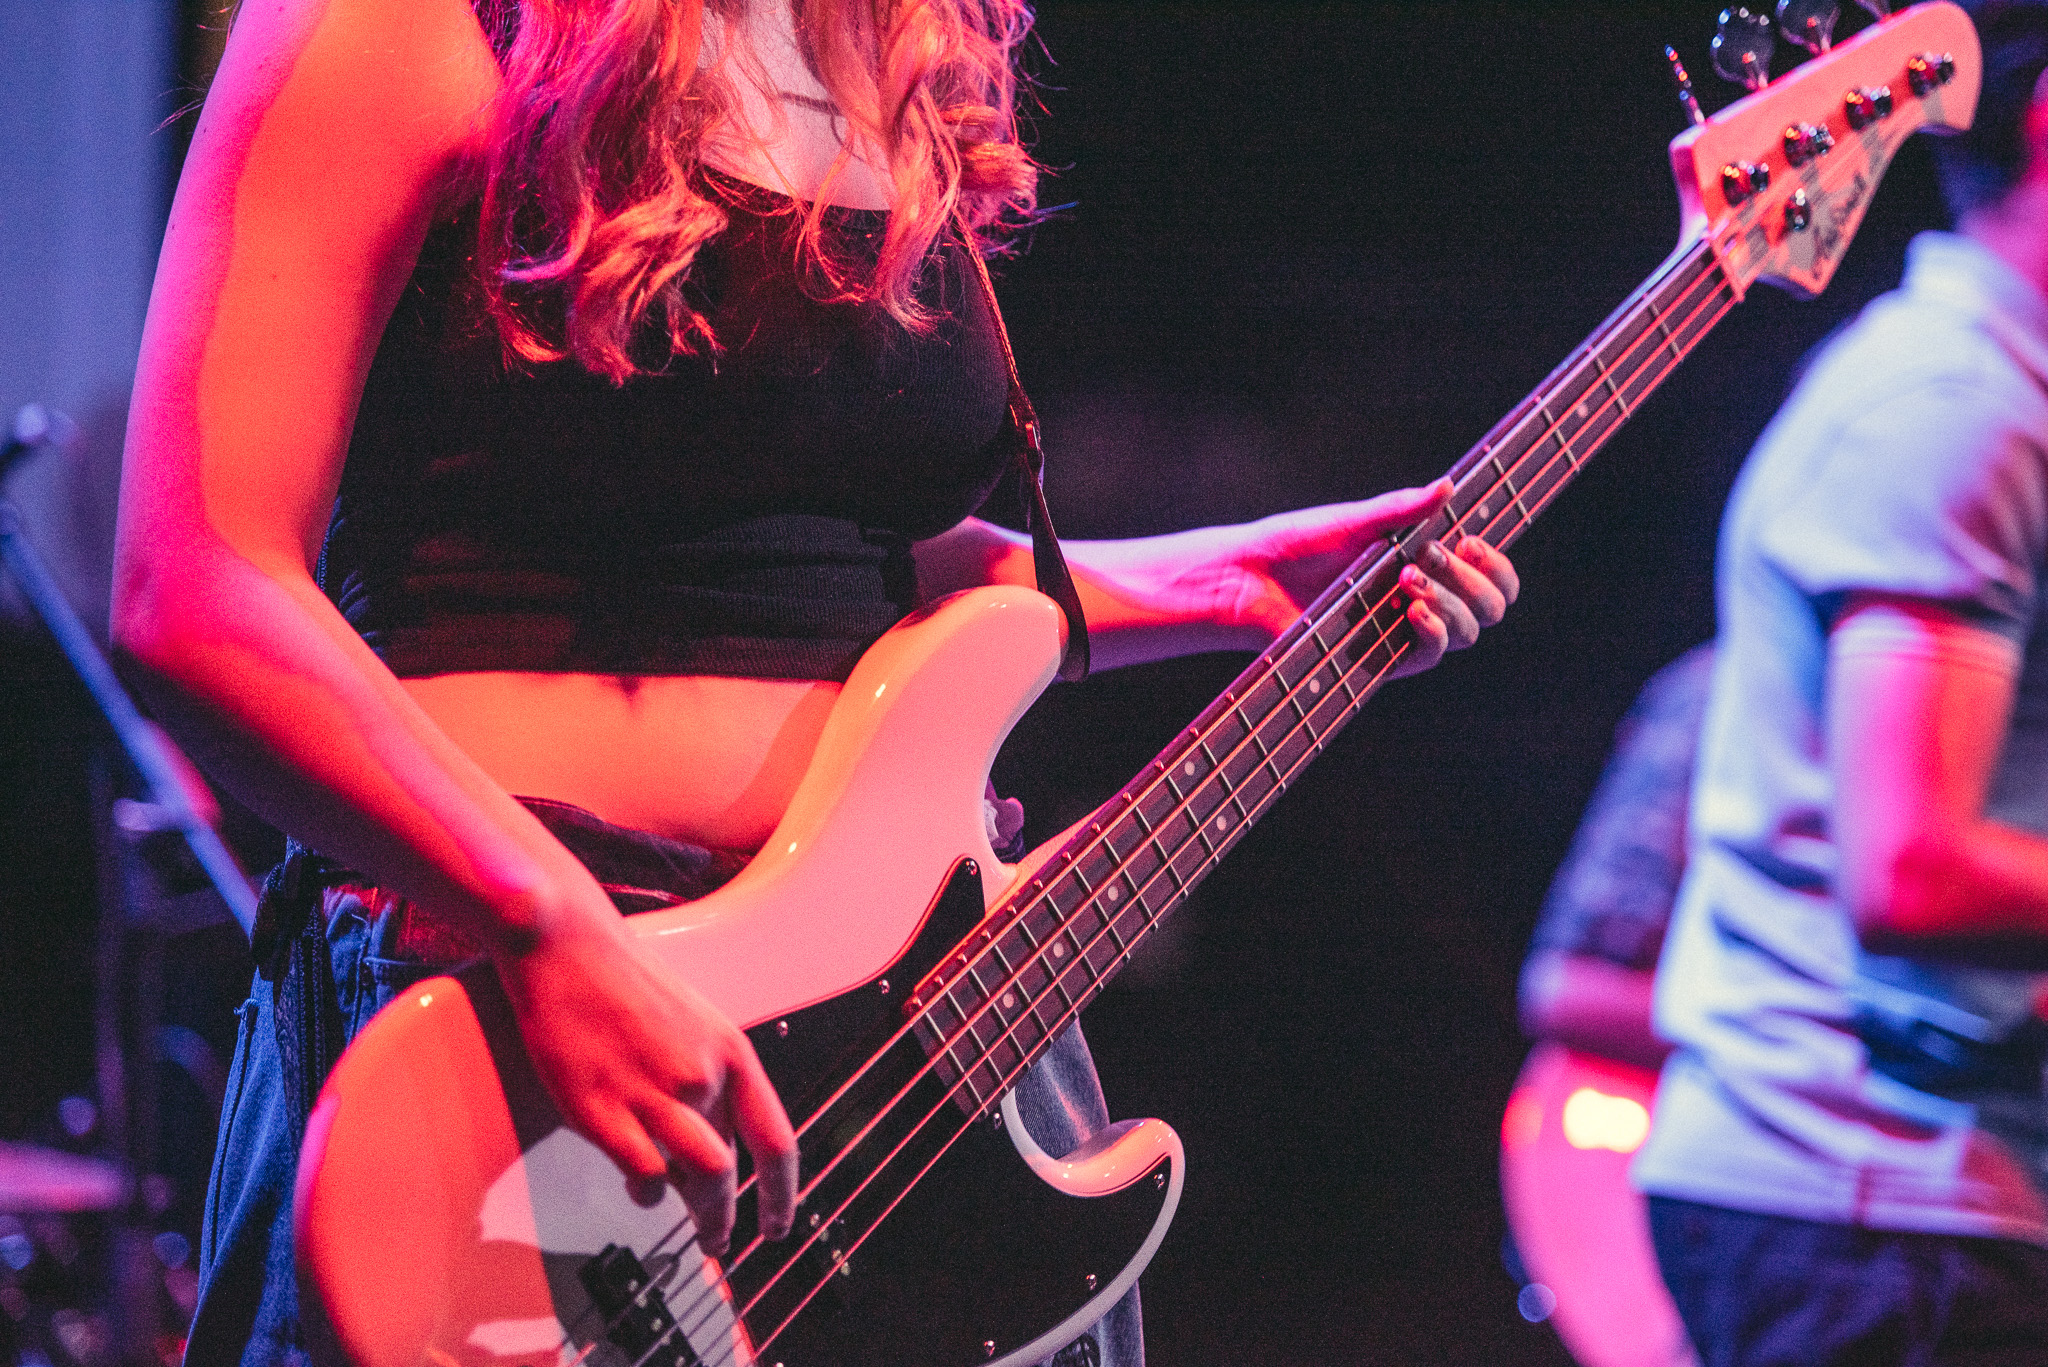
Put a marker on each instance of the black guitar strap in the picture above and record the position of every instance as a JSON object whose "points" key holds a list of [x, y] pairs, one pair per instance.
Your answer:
{"points": [[1021, 430]]}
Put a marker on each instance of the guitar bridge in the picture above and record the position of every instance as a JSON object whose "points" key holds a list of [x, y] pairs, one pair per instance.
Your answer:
{"points": [[636, 1317]]}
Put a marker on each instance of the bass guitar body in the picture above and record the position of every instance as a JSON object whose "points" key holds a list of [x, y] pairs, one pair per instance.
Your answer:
{"points": [[446, 1215]]}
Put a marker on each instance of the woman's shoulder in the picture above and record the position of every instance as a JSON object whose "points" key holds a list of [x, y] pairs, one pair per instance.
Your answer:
{"points": [[384, 80]]}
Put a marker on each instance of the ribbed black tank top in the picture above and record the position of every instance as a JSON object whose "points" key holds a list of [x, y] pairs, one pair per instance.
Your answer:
{"points": [[746, 512]]}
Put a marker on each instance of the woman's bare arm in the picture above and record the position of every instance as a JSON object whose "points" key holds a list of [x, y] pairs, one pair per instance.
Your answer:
{"points": [[336, 131], [1237, 587]]}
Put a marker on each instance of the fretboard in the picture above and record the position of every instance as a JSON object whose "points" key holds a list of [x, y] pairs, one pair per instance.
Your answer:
{"points": [[992, 1007]]}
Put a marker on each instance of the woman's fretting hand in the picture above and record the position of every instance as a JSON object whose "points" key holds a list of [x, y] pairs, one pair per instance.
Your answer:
{"points": [[1286, 560]]}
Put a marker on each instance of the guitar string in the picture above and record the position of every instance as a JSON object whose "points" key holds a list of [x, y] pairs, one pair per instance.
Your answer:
{"points": [[1670, 342], [985, 1061]]}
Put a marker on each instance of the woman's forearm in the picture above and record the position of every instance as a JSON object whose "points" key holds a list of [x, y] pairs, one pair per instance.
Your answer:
{"points": [[275, 695]]}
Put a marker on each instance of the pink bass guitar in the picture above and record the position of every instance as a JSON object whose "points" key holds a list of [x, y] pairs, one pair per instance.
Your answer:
{"points": [[897, 980]]}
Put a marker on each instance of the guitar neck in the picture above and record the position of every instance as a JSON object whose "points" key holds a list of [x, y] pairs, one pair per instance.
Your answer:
{"points": [[995, 1004]]}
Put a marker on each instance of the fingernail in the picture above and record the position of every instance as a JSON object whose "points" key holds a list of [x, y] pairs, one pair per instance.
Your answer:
{"points": [[1471, 548], [1414, 580], [1434, 555]]}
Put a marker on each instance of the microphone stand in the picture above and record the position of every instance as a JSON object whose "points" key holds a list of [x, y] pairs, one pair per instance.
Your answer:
{"points": [[169, 805], [128, 986]]}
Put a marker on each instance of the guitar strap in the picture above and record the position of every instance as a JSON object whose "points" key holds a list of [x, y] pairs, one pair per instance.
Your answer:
{"points": [[1020, 429]]}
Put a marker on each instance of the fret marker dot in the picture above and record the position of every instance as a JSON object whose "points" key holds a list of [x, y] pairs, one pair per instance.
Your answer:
{"points": [[1482, 510], [1582, 411], [1113, 893], [1059, 950], [1315, 685], [1009, 1000], [1188, 768], [1222, 823]]}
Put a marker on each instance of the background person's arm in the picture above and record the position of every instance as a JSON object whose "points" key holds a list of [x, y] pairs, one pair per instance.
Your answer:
{"points": [[1918, 705]]}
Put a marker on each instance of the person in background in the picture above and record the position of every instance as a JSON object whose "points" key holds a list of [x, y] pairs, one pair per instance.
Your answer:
{"points": [[1587, 981], [1849, 1154]]}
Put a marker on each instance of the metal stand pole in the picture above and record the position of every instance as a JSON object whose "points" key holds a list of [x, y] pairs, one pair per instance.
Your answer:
{"points": [[128, 996]]}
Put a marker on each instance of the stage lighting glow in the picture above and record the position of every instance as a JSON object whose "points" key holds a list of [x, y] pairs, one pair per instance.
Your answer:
{"points": [[1595, 1120]]}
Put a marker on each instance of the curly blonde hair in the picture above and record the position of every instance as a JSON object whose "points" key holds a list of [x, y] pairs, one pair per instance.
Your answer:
{"points": [[593, 206]]}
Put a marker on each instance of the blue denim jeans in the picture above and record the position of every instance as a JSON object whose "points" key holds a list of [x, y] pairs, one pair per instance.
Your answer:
{"points": [[373, 948], [1770, 1291]]}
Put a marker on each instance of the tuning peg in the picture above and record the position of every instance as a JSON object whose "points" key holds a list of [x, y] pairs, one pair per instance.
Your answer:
{"points": [[1809, 23], [1879, 9], [1685, 95], [1742, 47]]}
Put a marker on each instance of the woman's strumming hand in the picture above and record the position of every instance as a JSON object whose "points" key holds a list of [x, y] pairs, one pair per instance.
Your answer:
{"points": [[650, 1072]]}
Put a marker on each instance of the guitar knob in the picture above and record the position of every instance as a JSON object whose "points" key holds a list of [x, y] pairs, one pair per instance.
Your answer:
{"points": [[1742, 47], [1805, 141], [1798, 212], [1867, 105], [1741, 179], [1809, 23], [1929, 71]]}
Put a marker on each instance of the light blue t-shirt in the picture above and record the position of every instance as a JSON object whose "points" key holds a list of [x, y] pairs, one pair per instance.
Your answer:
{"points": [[1913, 460]]}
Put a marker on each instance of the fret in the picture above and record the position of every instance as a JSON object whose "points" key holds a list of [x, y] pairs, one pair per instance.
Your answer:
{"points": [[962, 1035], [1013, 976], [982, 1033], [1143, 825], [1266, 753], [1506, 482], [1243, 761], [1054, 950], [1142, 862], [1621, 340], [1085, 957], [1109, 929], [1657, 316], [1580, 375]]}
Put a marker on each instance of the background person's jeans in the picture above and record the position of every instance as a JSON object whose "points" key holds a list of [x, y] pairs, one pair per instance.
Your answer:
{"points": [[1766, 1290]]}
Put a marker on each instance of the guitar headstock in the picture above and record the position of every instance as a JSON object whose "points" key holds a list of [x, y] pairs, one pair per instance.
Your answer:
{"points": [[1779, 180]]}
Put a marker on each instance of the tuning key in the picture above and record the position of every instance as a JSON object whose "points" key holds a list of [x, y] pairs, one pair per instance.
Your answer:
{"points": [[1809, 23], [1742, 47], [1741, 179], [1867, 104], [1798, 212], [1805, 141], [1929, 71]]}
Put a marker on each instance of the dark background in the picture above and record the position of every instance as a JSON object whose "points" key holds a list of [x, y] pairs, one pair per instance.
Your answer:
{"points": [[1314, 252]]}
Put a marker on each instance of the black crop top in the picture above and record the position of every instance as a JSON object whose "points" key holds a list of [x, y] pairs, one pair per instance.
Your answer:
{"points": [[743, 513]]}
